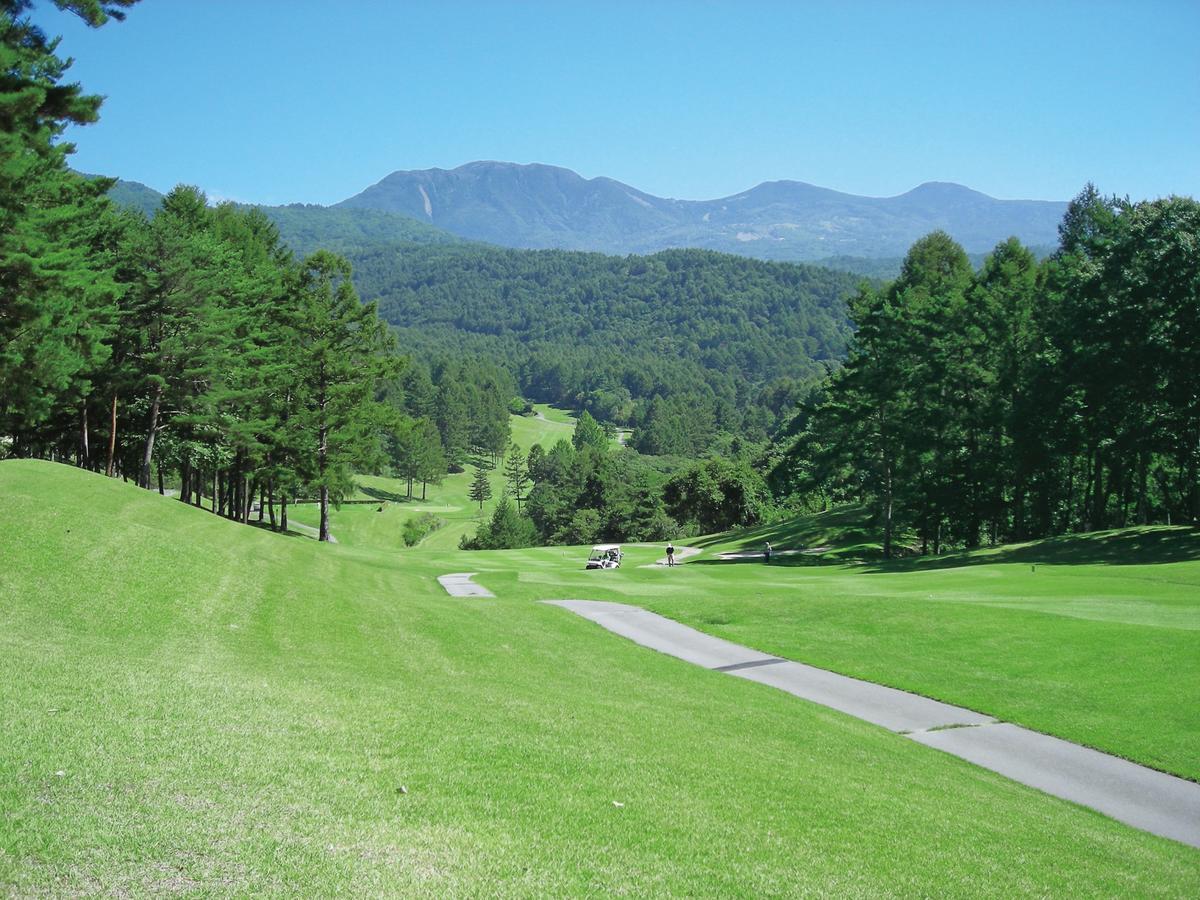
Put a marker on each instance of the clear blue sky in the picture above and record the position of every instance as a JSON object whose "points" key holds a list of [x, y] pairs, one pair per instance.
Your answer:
{"points": [[272, 101]]}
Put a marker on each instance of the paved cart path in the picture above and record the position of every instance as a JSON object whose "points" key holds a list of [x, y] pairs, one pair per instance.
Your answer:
{"points": [[1144, 798], [460, 585]]}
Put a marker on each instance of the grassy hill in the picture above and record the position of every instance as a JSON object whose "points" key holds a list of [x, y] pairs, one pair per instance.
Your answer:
{"points": [[193, 705]]}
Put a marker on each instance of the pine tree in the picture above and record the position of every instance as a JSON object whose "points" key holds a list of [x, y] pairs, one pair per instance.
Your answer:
{"points": [[431, 462], [516, 474], [342, 352], [588, 433], [481, 487]]}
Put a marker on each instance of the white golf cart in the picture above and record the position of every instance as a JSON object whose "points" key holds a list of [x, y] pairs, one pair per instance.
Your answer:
{"points": [[605, 556]]}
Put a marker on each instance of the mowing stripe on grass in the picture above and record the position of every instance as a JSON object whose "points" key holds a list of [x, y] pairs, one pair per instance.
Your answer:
{"points": [[1144, 798]]}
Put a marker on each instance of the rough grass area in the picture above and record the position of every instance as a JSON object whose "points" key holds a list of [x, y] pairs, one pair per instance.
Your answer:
{"points": [[193, 705]]}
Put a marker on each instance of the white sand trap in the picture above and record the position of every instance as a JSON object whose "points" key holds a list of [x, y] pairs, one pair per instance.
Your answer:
{"points": [[460, 585]]}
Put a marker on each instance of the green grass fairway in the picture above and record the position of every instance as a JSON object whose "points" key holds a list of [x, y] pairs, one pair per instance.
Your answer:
{"points": [[369, 526], [191, 705]]}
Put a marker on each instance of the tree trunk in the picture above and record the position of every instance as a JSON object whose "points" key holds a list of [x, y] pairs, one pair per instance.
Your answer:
{"points": [[185, 482], [1143, 507], [423, 483], [85, 454], [151, 434], [161, 490], [1193, 481], [324, 533], [322, 464], [283, 513], [887, 510], [231, 490], [1095, 515], [262, 494], [112, 438], [1018, 509], [271, 504], [1070, 498]]}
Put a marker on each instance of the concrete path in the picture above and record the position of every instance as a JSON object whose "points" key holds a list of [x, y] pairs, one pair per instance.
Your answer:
{"points": [[681, 553], [461, 585], [1152, 801]]}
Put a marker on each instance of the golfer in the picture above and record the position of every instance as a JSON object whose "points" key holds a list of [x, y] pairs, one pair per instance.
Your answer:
{"points": [[670, 554], [767, 553]]}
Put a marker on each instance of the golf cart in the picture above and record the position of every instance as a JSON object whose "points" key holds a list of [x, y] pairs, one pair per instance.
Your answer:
{"points": [[605, 556]]}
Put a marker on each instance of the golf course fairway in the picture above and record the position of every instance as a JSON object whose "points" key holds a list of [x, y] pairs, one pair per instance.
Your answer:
{"points": [[192, 705]]}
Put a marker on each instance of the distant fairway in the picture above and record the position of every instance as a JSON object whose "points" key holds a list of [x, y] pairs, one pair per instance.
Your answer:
{"points": [[368, 526], [193, 705]]}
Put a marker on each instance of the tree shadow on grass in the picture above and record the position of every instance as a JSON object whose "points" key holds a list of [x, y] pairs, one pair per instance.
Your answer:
{"points": [[380, 494], [1123, 547], [847, 525]]}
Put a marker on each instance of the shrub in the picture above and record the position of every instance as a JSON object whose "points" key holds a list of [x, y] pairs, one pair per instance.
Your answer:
{"points": [[417, 528]]}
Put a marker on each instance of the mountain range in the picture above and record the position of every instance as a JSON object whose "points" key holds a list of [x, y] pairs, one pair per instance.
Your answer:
{"points": [[540, 206]]}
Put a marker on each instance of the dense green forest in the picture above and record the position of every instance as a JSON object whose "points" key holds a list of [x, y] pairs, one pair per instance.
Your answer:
{"points": [[687, 347], [680, 346], [1026, 399]]}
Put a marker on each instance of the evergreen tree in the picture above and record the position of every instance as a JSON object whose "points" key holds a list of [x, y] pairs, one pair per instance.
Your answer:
{"points": [[431, 462], [588, 433], [342, 353], [481, 487], [516, 474], [506, 530]]}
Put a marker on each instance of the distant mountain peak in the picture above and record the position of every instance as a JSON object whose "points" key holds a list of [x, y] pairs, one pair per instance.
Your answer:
{"points": [[536, 205]]}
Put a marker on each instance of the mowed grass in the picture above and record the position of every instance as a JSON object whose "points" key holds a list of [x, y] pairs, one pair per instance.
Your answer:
{"points": [[1094, 638], [193, 705], [380, 525]]}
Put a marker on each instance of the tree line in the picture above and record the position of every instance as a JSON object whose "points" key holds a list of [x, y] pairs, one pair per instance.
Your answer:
{"points": [[681, 346], [1023, 400], [587, 490], [193, 345]]}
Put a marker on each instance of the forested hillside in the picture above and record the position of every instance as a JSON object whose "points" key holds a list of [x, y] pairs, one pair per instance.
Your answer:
{"points": [[678, 345]]}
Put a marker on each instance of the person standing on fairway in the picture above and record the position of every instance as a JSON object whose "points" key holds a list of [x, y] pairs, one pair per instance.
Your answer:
{"points": [[767, 553], [670, 554]]}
